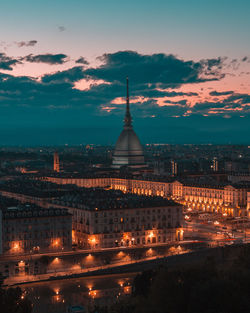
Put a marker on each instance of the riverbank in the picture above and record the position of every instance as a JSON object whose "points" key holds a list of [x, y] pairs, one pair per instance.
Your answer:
{"points": [[220, 254]]}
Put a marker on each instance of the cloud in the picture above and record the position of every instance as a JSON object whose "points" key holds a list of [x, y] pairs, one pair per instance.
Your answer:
{"points": [[82, 60], [153, 76], [239, 99], [29, 43], [152, 79], [61, 28], [47, 58], [233, 105], [223, 93], [70, 76], [7, 63], [160, 70]]}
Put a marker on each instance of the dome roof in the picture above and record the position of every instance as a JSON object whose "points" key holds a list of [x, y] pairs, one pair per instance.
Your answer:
{"points": [[128, 144]]}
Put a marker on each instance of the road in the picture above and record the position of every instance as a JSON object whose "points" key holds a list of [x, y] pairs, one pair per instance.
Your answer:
{"points": [[212, 232], [28, 256]]}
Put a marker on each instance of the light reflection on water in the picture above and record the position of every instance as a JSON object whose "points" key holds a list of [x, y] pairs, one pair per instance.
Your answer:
{"points": [[56, 296]]}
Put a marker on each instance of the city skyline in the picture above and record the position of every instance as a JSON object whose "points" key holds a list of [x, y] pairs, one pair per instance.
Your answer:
{"points": [[63, 81], [124, 156]]}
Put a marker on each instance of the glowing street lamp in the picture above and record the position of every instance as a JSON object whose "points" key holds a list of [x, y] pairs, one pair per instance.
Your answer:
{"points": [[92, 241]]}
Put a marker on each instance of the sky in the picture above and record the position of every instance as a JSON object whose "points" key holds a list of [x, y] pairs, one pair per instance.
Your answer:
{"points": [[63, 68]]}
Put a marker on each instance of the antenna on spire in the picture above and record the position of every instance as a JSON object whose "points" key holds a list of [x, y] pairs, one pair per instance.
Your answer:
{"points": [[127, 93], [127, 119]]}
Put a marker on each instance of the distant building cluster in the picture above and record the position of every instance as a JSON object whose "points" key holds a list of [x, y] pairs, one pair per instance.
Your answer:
{"points": [[88, 217], [47, 206]]}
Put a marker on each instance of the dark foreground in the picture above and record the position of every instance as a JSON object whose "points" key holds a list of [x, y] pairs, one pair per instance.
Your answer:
{"points": [[213, 285], [209, 281]]}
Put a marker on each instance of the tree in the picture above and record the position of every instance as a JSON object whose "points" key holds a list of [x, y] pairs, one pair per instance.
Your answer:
{"points": [[12, 300]]}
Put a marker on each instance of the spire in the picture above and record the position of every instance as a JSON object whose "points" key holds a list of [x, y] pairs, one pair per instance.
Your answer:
{"points": [[127, 119]]}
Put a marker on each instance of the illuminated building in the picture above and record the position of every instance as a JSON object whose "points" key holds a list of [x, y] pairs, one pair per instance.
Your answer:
{"points": [[109, 218], [248, 204], [225, 198], [33, 229], [128, 149], [228, 200], [173, 168], [215, 166], [56, 162]]}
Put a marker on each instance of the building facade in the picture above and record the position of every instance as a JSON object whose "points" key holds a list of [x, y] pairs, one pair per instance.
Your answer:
{"points": [[103, 228], [230, 200], [33, 229]]}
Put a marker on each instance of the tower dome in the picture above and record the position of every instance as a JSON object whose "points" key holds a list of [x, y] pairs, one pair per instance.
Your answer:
{"points": [[128, 149]]}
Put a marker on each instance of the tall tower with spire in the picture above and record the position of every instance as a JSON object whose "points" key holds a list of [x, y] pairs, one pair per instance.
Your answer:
{"points": [[128, 149], [127, 119]]}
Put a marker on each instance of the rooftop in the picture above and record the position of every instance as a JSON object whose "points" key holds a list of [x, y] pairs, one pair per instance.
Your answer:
{"points": [[35, 188], [100, 199], [30, 211]]}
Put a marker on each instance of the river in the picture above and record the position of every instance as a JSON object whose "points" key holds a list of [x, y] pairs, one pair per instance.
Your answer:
{"points": [[56, 296]]}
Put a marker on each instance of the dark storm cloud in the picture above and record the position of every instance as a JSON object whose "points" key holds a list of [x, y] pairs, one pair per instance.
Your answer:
{"points": [[236, 104], [82, 60], [157, 69], [30, 92], [29, 43], [148, 75], [239, 99], [47, 58], [150, 109], [223, 93], [181, 102], [7, 63], [54, 91], [71, 75], [150, 92]]}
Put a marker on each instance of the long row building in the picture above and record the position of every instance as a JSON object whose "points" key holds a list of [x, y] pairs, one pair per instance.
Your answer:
{"points": [[228, 199]]}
